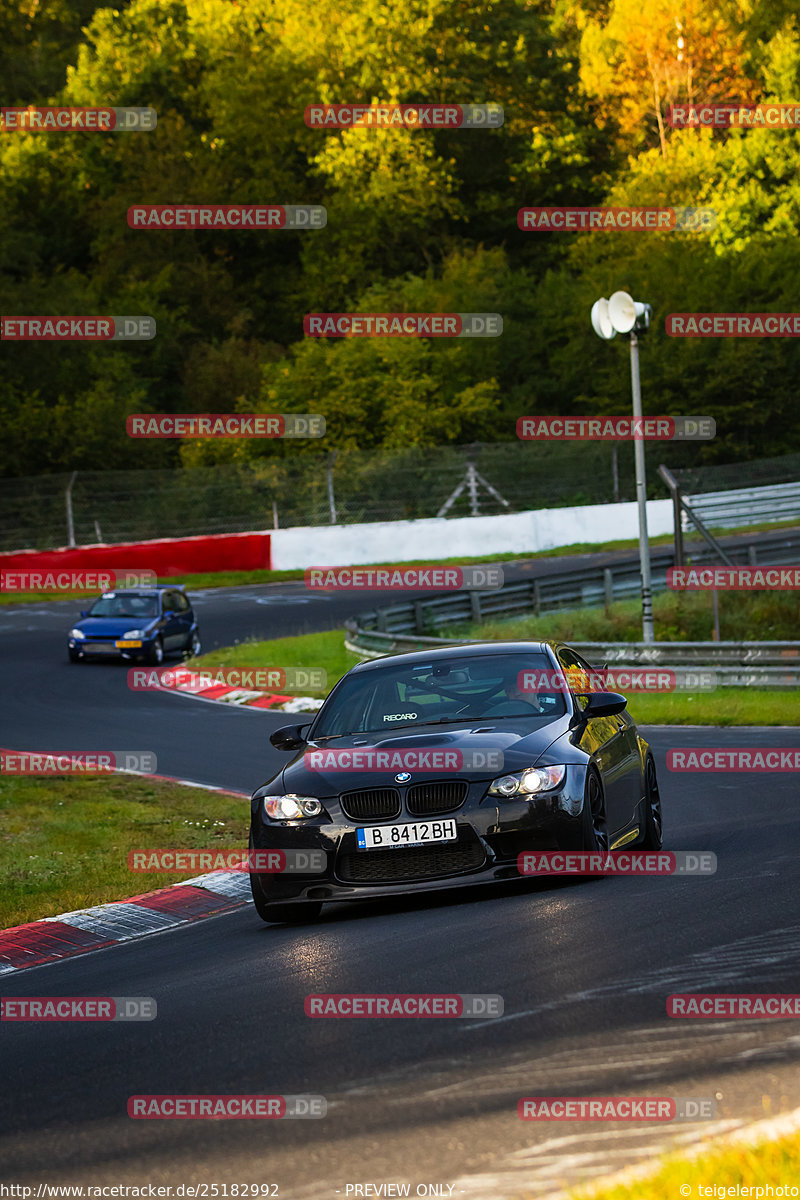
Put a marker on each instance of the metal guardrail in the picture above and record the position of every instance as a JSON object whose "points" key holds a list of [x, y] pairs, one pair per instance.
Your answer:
{"points": [[718, 655], [584, 587], [746, 506], [735, 664], [410, 624]]}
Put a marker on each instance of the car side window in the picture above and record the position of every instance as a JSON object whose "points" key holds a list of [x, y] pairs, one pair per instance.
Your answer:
{"points": [[575, 670], [169, 603], [181, 602]]}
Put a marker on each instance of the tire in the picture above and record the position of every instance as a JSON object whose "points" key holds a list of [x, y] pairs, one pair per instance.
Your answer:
{"points": [[652, 837], [74, 655], [155, 655], [193, 646], [289, 914], [594, 832]]}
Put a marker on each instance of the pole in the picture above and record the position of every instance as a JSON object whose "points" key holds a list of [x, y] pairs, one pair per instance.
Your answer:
{"points": [[331, 500], [70, 522], [641, 499], [715, 608]]}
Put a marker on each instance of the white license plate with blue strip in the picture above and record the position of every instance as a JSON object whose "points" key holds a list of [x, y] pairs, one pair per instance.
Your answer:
{"points": [[416, 833]]}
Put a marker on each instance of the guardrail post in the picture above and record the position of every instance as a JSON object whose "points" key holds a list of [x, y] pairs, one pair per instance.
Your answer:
{"points": [[752, 555], [675, 494], [537, 597], [419, 616], [475, 606], [608, 585], [380, 620]]}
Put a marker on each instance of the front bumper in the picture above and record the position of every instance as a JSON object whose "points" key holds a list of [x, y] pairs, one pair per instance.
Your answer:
{"points": [[491, 836], [106, 647]]}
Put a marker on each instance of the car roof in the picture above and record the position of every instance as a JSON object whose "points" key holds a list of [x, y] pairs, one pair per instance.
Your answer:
{"points": [[153, 591], [465, 650]]}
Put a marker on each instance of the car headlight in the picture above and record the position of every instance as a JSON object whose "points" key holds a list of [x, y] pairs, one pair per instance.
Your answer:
{"points": [[291, 807], [77, 633], [526, 783], [134, 633]]}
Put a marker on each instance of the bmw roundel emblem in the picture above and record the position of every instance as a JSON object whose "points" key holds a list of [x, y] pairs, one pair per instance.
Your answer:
{"points": [[403, 777]]}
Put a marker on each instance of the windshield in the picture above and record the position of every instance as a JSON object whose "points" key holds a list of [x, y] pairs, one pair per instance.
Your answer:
{"points": [[490, 687], [142, 607]]}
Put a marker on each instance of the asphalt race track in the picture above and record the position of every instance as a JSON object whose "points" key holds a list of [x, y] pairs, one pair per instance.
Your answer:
{"points": [[584, 970]]}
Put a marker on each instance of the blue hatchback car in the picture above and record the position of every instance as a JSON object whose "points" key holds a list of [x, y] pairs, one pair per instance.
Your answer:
{"points": [[137, 624]]}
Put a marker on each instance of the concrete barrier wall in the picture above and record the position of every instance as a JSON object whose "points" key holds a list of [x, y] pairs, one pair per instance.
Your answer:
{"points": [[442, 537]]}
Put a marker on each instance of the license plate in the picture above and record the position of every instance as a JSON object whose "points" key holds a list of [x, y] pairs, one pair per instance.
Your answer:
{"points": [[126, 645], [386, 837]]}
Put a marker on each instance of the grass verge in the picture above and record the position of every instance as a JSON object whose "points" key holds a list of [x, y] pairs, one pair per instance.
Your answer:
{"points": [[678, 617], [321, 651], [726, 1171], [64, 840]]}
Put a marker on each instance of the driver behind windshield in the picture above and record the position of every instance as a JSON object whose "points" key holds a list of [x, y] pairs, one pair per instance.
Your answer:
{"points": [[516, 703]]}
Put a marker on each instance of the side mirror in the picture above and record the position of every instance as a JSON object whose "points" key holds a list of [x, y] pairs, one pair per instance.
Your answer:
{"points": [[604, 704], [288, 737], [84, 612]]}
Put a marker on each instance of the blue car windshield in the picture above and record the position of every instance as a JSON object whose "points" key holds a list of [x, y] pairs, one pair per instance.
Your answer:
{"points": [[125, 606], [490, 687]]}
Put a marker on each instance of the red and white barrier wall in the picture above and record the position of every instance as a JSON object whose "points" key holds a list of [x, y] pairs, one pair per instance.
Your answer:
{"points": [[433, 538]]}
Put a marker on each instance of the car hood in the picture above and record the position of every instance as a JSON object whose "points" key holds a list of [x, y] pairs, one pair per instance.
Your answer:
{"points": [[519, 746], [108, 627]]}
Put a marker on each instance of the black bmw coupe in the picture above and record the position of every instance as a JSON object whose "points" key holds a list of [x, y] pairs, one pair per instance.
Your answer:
{"points": [[437, 769]]}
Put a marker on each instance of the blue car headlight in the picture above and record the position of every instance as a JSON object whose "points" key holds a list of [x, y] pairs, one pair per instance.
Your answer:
{"points": [[528, 782], [135, 633], [77, 633]]}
